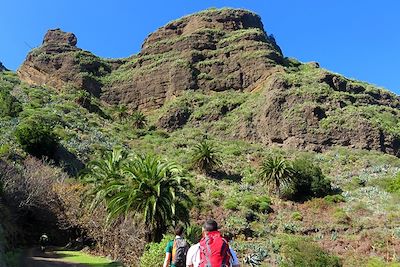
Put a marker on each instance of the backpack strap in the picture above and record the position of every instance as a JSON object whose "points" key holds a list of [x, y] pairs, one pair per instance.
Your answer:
{"points": [[208, 252], [226, 252]]}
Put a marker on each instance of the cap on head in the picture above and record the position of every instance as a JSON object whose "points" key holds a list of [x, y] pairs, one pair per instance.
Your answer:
{"points": [[211, 225]]}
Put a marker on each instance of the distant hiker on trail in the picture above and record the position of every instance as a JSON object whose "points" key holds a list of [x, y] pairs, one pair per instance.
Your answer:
{"points": [[43, 240], [176, 250], [212, 250]]}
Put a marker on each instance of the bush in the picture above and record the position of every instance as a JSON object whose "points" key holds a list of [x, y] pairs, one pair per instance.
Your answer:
{"points": [[154, 253], [9, 105], [341, 216], [334, 198], [394, 185], [231, 203], [377, 262], [308, 182], [36, 138], [297, 216], [255, 203], [301, 252], [193, 234]]}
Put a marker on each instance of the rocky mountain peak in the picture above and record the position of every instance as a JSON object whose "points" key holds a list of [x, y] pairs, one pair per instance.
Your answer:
{"points": [[57, 36], [226, 19]]}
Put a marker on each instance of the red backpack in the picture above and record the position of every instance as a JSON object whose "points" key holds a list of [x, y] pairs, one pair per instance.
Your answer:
{"points": [[214, 251]]}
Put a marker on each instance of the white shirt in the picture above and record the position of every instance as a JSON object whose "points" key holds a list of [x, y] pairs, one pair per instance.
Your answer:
{"points": [[193, 256]]}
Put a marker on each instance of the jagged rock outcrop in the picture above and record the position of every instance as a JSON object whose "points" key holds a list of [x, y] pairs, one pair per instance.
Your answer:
{"points": [[316, 116], [59, 63], [214, 50]]}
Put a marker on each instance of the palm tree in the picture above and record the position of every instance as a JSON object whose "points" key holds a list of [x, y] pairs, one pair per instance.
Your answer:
{"points": [[139, 120], [136, 184], [205, 157], [102, 174], [155, 189], [276, 172], [122, 112]]}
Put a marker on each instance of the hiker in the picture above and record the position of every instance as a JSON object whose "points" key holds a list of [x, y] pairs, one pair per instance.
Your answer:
{"points": [[219, 253], [43, 240], [176, 250]]}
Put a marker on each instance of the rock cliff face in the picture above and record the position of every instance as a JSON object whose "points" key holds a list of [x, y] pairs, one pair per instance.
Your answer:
{"points": [[298, 105], [329, 111], [59, 63], [214, 50]]}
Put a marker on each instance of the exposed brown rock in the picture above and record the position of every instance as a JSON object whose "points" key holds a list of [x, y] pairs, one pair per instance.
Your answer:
{"points": [[213, 50], [271, 127], [59, 37], [58, 63], [218, 50]]}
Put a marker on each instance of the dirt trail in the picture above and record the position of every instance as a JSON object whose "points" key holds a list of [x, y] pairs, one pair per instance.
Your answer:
{"points": [[35, 258]]}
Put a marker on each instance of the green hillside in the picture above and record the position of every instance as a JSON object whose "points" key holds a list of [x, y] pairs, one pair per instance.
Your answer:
{"points": [[301, 168]]}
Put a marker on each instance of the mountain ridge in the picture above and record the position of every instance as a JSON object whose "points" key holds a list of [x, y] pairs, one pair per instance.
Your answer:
{"points": [[221, 50]]}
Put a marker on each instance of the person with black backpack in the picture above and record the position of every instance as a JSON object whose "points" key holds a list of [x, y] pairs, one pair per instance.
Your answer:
{"points": [[176, 250]]}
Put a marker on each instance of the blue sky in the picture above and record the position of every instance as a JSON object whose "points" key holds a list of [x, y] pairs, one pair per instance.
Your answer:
{"points": [[357, 38]]}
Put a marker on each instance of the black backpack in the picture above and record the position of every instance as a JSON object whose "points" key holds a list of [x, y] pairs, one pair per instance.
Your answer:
{"points": [[179, 251]]}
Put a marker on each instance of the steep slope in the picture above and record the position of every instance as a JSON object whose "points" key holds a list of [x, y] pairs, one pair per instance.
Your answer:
{"points": [[286, 103], [59, 63], [214, 50]]}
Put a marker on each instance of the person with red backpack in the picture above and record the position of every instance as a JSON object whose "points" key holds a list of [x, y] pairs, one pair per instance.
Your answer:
{"points": [[176, 250], [214, 249], [194, 254]]}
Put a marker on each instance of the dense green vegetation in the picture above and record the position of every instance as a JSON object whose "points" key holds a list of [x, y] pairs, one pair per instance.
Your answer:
{"points": [[36, 138], [139, 184], [136, 170]]}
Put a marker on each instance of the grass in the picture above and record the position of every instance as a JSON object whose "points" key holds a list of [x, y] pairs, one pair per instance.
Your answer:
{"points": [[83, 258]]}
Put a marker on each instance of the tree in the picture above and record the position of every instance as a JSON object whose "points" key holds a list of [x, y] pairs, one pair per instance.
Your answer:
{"points": [[276, 172], [102, 174], [122, 112], [205, 157], [308, 181], [138, 184], [36, 138], [139, 120], [9, 105], [155, 189]]}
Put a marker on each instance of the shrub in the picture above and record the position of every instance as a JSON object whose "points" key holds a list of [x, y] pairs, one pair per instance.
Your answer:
{"points": [[341, 216], [308, 182], [377, 262], [193, 234], [253, 202], [36, 138], [334, 198], [9, 105], [154, 253], [231, 203], [297, 216], [301, 252], [394, 185]]}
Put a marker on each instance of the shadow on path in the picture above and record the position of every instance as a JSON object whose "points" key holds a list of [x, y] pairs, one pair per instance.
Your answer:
{"points": [[35, 258]]}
